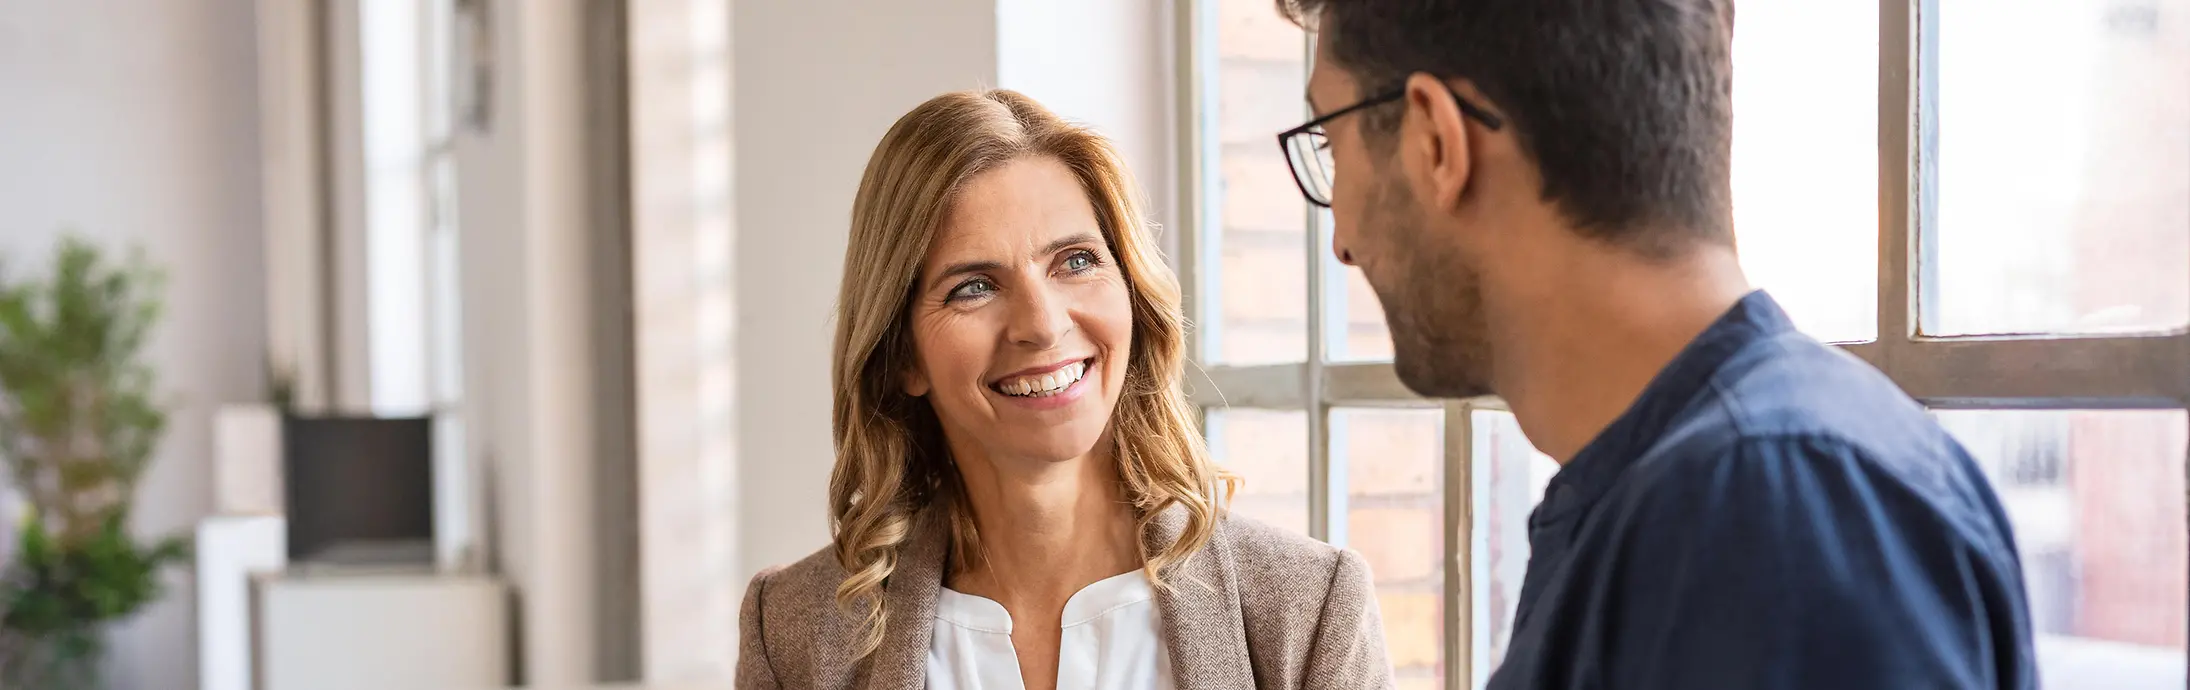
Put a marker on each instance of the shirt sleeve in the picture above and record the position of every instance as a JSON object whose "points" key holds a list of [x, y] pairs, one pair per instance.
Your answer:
{"points": [[1793, 563]]}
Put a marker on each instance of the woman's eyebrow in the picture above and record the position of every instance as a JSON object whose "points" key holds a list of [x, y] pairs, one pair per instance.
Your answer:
{"points": [[984, 265]]}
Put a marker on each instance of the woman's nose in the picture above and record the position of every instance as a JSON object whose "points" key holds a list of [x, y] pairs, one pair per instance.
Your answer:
{"points": [[1041, 318]]}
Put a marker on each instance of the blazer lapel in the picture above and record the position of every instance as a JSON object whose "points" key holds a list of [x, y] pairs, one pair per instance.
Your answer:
{"points": [[901, 663], [1200, 608]]}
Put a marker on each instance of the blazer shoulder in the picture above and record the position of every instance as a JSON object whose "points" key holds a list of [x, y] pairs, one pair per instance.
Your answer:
{"points": [[1260, 548], [790, 628], [802, 586], [1292, 571], [1307, 605]]}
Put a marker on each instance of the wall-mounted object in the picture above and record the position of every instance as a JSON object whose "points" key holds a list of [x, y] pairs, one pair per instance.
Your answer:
{"points": [[474, 64]]}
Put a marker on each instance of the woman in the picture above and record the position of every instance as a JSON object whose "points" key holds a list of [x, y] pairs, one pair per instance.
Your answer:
{"points": [[1020, 496]]}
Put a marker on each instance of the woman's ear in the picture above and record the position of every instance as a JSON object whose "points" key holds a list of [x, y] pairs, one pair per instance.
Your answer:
{"points": [[916, 382]]}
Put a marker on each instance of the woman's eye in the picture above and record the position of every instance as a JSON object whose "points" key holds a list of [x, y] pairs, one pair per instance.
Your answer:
{"points": [[972, 289], [1080, 261]]}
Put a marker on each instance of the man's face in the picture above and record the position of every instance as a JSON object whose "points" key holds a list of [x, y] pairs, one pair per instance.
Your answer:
{"points": [[1413, 255]]}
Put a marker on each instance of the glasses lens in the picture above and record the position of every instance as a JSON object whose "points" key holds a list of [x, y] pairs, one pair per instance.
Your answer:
{"points": [[1311, 159]]}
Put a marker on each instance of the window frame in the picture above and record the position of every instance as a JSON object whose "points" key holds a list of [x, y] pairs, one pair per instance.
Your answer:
{"points": [[2081, 372]]}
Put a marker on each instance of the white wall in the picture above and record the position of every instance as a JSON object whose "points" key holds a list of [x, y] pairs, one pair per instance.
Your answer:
{"points": [[136, 122], [816, 84], [684, 309], [1104, 64], [529, 363]]}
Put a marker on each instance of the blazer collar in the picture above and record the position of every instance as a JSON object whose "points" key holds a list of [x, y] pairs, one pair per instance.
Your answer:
{"points": [[1199, 604], [1199, 608], [909, 598]]}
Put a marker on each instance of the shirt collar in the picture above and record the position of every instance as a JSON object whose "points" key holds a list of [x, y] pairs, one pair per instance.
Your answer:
{"points": [[1593, 470]]}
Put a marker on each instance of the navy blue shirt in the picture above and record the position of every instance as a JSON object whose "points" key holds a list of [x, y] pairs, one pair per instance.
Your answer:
{"points": [[1770, 513]]}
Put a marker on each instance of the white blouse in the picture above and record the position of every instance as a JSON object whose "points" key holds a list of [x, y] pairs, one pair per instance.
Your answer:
{"points": [[1111, 641]]}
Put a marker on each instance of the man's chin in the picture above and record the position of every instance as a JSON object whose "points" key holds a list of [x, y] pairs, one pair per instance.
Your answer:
{"points": [[1427, 379]]}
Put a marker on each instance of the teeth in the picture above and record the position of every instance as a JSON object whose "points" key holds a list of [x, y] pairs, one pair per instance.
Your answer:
{"points": [[1045, 384]]}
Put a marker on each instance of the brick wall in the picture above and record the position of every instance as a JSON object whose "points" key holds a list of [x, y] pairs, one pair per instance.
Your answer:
{"points": [[2129, 239], [1262, 248], [2126, 475]]}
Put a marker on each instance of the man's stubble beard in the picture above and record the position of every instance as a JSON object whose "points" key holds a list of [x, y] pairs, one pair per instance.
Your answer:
{"points": [[1433, 303]]}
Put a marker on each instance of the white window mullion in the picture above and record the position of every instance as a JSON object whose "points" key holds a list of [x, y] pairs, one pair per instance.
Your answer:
{"points": [[1268, 386], [1897, 156], [1200, 214], [1461, 652], [1326, 479], [1367, 383], [2088, 373]]}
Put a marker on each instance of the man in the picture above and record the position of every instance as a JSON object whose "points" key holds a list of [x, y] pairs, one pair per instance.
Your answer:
{"points": [[1538, 191]]}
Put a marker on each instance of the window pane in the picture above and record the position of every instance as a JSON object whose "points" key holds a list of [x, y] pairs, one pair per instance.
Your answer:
{"points": [[2096, 500], [2062, 170], [1509, 479], [1260, 248], [1357, 318], [1354, 317], [1394, 460], [1268, 449], [1806, 160]]}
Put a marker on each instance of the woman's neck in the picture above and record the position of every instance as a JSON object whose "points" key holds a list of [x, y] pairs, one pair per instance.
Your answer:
{"points": [[1047, 529]]}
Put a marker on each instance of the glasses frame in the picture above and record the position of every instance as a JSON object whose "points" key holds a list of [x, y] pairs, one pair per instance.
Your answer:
{"points": [[1315, 126]]}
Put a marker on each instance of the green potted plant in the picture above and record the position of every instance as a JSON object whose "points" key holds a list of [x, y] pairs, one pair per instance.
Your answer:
{"points": [[79, 419]]}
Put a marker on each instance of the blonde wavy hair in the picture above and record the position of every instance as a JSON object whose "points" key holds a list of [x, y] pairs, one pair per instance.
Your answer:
{"points": [[891, 460]]}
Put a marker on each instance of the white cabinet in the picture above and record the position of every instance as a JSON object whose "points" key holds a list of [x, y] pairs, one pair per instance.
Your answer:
{"points": [[370, 631], [231, 549]]}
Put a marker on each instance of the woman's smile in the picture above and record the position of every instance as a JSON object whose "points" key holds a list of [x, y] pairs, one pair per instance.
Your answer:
{"points": [[1048, 387]]}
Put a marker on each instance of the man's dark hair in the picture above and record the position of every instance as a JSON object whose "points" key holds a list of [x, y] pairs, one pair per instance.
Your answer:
{"points": [[1626, 105]]}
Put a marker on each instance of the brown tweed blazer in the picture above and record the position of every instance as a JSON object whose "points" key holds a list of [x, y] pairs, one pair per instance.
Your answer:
{"points": [[1258, 607]]}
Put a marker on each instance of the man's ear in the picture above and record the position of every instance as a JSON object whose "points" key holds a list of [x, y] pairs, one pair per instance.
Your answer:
{"points": [[1436, 137]]}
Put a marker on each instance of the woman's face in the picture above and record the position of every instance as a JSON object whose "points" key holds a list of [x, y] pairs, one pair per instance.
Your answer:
{"points": [[1021, 319]]}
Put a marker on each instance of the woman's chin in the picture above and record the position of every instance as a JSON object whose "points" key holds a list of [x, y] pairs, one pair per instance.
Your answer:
{"points": [[1052, 448]]}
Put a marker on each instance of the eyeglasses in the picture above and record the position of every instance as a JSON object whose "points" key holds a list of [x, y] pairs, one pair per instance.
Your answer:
{"points": [[1308, 152]]}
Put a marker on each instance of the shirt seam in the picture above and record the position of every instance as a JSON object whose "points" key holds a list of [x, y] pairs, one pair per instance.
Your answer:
{"points": [[1105, 612], [1827, 440], [969, 626]]}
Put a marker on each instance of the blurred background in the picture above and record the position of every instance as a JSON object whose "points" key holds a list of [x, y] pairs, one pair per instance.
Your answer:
{"points": [[491, 341]]}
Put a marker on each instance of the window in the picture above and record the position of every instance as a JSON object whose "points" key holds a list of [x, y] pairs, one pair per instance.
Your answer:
{"points": [[2096, 500], [2004, 232], [2079, 230], [407, 206], [406, 128]]}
